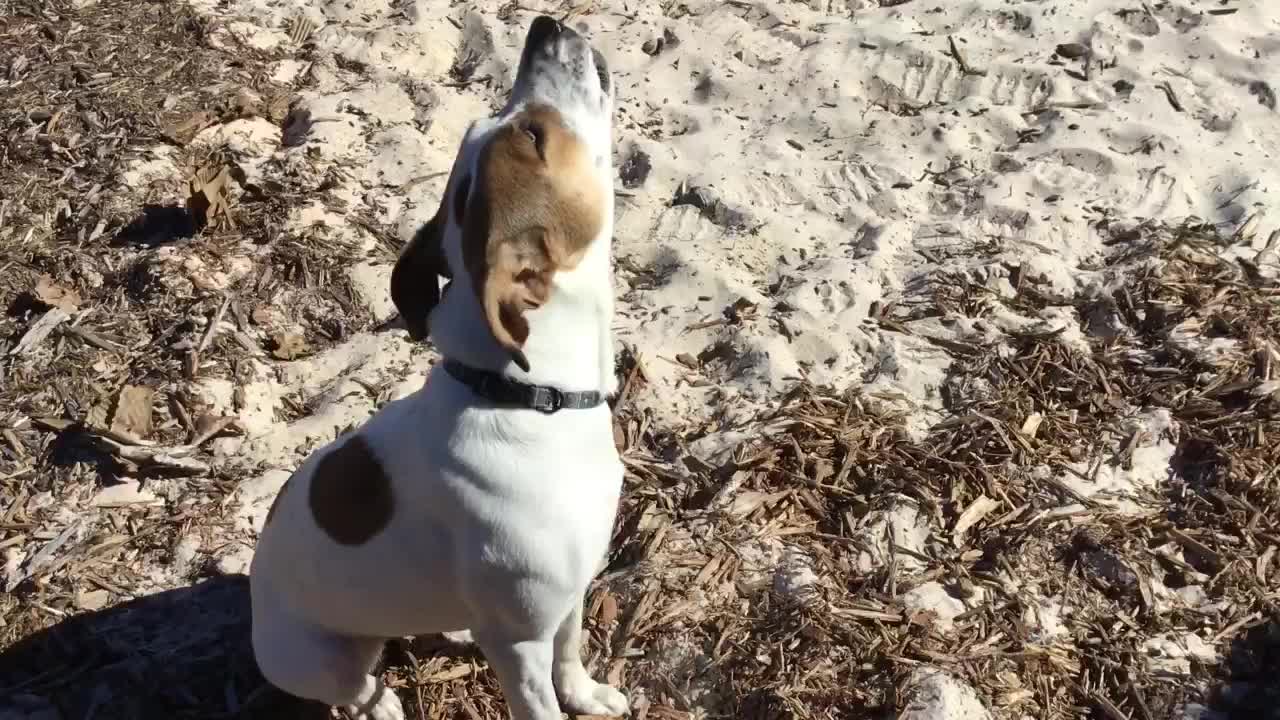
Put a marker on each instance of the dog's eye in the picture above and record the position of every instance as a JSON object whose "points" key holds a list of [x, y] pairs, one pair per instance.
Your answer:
{"points": [[460, 199]]}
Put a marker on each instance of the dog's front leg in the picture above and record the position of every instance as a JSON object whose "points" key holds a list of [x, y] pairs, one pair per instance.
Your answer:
{"points": [[578, 692], [524, 672]]}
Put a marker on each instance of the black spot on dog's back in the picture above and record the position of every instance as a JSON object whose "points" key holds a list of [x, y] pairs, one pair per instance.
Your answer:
{"points": [[350, 495]]}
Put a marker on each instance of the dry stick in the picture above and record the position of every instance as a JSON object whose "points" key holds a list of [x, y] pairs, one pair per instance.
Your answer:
{"points": [[1064, 489], [954, 52], [40, 330], [214, 428], [1236, 626], [624, 395], [1108, 707], [1141, 702], [1173, 97], [193, 358], [15, 442], [180, 412], [893, 560], [91, 338]]}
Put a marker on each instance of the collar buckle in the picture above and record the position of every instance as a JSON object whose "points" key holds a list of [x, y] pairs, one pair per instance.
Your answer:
{"points": [[547, 400]]}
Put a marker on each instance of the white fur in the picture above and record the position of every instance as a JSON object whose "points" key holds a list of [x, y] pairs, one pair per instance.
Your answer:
{"points": [[502, 516]]}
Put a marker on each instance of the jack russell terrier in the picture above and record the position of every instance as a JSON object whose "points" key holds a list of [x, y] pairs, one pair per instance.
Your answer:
{"points": [[482, 504]]}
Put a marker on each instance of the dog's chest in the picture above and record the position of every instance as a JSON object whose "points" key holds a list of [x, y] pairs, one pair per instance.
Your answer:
{"points": [[533, 498], [546, 552], [539, 513]]}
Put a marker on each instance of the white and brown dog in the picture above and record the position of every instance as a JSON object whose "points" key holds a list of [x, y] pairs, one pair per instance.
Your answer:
{"points": [[484, 501]]}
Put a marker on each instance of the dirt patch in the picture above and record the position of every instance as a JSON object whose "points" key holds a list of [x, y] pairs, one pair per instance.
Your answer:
{"points": [[1064, 587]]}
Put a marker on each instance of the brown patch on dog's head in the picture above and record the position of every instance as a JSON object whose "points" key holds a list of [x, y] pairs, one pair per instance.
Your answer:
{"points": [[351, 498], [535, 209], [271, 511]]}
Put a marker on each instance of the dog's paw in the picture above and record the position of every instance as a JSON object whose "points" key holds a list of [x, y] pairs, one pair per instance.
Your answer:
{"points": [[385, 706], [593, 698]]}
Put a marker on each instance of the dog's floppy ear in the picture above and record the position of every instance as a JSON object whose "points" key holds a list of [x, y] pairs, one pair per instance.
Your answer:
{"points": [[415, 287], [537, 208], [415, 284]]}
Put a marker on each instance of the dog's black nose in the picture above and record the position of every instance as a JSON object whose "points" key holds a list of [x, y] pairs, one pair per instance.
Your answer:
{"points": [[542, 29]]}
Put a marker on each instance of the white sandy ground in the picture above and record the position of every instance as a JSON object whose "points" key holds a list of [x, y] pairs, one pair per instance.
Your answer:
{"points": [[844, 161]]}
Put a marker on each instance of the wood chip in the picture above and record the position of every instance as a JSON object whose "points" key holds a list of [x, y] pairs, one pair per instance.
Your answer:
{"points": [[90, 600], [457, 672], [54, 295], [615, 675], [261, 315], [861, 614], [608, 614], [1031, 425], [124, 494], [287, 345], [40, 330], [971, 516], [43, 556], [133, 410], [244, 104], [1205, 552], [184, 130], [209, 426], [209, 199], [174, 459], [15, 443]]}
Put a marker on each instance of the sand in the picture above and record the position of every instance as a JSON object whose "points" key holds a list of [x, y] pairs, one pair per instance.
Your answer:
{"points": [[810, 165], [791, 174]]}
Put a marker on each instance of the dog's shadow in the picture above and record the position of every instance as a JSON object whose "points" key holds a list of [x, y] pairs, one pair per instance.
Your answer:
{"points": [[181, 653], [1247, 688]]}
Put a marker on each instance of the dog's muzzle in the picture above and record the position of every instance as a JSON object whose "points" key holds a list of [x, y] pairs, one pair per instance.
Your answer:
{"points": [[550, 41], [544, 28]]}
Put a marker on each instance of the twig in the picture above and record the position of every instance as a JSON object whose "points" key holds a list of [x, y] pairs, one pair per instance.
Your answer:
{"points": [[214, 428], [954, 52], [624, 394], [212, 330], [91, 338], [193, 357], [1171, 95], [170, 458], [44, 555], [1107, 707], [1136, 693]]}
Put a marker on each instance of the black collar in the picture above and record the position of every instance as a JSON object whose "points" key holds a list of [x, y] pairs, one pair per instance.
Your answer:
{"points": [[502, 390]]}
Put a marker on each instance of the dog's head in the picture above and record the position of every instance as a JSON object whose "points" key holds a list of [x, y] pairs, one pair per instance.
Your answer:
{"points": [[529, 192]]}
